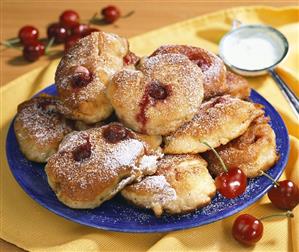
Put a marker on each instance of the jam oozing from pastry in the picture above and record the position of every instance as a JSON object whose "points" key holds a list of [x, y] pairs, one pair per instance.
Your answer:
{"points": [[81, 77], [154, 92], [194, 54], [157, 91], [115, 133], [203, 62], [131, 59], [83, 151]]}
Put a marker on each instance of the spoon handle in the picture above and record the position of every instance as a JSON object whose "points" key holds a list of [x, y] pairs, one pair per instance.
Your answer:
{"points": [[287, 92]]}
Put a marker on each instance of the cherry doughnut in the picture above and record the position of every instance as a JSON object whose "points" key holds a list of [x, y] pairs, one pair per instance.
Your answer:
{"points": [[83, 73], [163, 93], [213, 68], [91, 166], [40, 128]]}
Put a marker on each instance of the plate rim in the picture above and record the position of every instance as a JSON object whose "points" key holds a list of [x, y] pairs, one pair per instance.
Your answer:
{"points": [[150, 229]]}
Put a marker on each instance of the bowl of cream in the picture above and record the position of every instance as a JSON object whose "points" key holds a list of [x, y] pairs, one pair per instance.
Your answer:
{"points": [[252, 50]]}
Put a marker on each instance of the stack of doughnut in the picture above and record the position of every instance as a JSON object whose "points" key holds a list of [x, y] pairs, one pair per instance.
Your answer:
{"points": [[136, 126]]}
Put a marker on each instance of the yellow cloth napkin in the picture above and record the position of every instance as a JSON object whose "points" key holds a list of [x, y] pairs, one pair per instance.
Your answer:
{"points": [[32, 227]]}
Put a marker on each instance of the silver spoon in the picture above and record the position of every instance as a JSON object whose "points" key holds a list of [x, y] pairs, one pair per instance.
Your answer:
{"points": [[273, 37]]}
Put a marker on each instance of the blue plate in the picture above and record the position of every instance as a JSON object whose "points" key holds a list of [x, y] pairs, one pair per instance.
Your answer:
{"points": [[118, 215]]}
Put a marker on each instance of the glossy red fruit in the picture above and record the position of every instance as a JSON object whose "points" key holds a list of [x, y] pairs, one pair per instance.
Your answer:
{"points": [[80, 29], [33, 51], [69, 19], [232, 183], [58, 32], [89, 31], [247, 229], [285, 196], [110, 14], [71, 41], [27, 34]]}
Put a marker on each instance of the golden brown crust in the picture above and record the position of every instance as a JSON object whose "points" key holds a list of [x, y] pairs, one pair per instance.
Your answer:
{"points": [[237, 85], [100, 55], [89, 169], [217, 122], [39, 127], [129, 93], [252, 152], [181, 184], [213, 68]]}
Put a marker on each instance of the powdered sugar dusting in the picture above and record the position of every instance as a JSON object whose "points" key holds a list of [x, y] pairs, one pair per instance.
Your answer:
{"points": [[40, 119], [160, 189], [107, 164]]}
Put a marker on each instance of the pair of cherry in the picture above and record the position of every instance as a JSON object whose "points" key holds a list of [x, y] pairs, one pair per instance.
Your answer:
{"points": [[231, 183], [69, 29]]}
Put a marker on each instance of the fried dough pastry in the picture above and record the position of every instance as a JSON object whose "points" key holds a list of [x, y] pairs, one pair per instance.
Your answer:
{"points": [[252, 152], [217, 122], [237, 85], [213, 68], [40, 128], [165, 92], [83, 73], [181, 184], [91, 166]]}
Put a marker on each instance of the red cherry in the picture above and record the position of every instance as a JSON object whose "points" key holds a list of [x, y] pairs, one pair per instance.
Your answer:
{"points": [[33, 51], [110, 14], [247, 229], [89, 31], [284, 196], [69, 19], [80, 29], [58, 32], [27, 34], [71, 41], [232, 183]]}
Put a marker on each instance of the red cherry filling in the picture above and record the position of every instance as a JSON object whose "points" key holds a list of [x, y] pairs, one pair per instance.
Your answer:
{"points": [[157, 90], [247, 229], [81, 77], [131, 59], [82, 151], [115, 133]]}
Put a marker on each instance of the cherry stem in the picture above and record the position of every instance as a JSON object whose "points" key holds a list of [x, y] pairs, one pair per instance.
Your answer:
{"points": [[92, 18], [269, 177], [10, 45], [130, 13], [13, 40], [288, 214], [217, 155], [50, 43]]}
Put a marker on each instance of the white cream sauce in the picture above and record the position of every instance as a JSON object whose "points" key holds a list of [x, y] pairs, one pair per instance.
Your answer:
{"points": [[250, 52]]}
